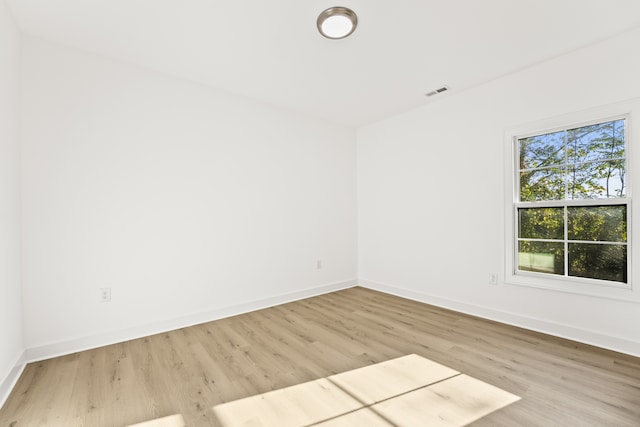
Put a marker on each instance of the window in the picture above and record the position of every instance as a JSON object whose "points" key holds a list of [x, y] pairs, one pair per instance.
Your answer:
{"points": [[571, 210]]}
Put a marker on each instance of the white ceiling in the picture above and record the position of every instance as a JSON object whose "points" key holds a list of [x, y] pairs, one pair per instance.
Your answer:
{"points": [[272, 52]]}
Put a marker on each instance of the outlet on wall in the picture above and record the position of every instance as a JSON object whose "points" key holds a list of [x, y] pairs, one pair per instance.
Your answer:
{"points": [[319, 264], [105, 294], [493, 279]]}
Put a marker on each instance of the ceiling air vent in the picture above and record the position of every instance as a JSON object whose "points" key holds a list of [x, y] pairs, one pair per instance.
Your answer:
{"points": [[437, 91]]}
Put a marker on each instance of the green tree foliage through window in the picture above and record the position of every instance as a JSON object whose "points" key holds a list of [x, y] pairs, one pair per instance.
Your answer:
{"points": [[581, 163], [557, 233]]}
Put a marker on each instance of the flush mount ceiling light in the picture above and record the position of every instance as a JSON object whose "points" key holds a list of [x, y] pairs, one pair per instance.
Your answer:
{"points": [[337, 22]]}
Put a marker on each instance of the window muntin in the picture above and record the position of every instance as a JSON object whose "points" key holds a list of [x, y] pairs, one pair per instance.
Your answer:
{"points": [[571, 207]]}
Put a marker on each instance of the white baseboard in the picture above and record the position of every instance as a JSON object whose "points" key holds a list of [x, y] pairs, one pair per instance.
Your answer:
{"points": [[621, 345], [12, 378], [48, 351]]}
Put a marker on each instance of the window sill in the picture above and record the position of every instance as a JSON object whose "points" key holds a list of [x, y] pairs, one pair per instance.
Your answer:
{"points": [[619, 292]]}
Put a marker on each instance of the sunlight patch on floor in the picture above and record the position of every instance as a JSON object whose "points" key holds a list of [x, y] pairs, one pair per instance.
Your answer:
{"points": [[405, 392]]}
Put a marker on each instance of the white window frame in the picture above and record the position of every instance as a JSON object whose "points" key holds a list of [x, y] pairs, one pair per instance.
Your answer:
{"points": [[628, 110]]}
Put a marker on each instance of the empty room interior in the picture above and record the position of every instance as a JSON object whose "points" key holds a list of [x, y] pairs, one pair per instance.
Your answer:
{"points": [[319, 213]]}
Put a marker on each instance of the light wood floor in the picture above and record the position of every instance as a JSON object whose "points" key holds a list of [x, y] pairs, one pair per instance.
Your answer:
{"points": [[188, 371]]}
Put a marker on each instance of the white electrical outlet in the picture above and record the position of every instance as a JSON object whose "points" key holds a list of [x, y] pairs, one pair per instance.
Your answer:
{"points": [[493, 279], [319, 264], [105, 294]]}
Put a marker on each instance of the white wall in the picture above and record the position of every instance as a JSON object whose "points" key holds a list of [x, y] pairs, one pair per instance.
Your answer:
{"points": [[180, 198], [10, 289], [431, 195]]}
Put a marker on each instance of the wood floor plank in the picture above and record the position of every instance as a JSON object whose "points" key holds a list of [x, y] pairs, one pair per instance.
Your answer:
{"points": [[189, 371]]}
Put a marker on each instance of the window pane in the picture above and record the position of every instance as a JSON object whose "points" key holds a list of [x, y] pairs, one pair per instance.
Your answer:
{"points": [[542, 150], [542, 257], [596, 142], [544, 184], [597, 180], [598, 223], [597, 261], [541, 223]]}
